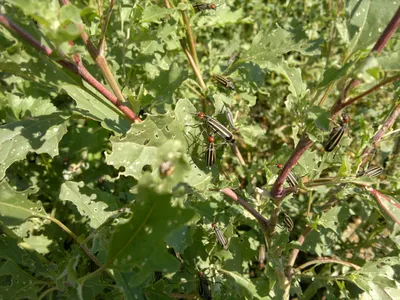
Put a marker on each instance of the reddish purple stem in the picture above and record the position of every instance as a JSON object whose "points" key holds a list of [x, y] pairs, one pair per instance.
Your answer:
{"points": [[78, 68]]}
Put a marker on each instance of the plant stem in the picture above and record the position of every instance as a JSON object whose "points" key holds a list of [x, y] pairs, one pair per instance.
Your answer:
{"points": [[190, 37], [327, 260], [239, 156], [101, 62], [42, 295], [379, 196], [378, 47], [102, 42], [277, 190], [292, 258], [327, 278], [194, 67], [264, 223], [342, 105], [386, 125], [78, 69]]}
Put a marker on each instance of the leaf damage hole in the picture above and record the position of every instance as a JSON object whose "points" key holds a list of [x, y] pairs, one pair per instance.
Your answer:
{"points": [[167, 128], [146, 141], [147, 168]]}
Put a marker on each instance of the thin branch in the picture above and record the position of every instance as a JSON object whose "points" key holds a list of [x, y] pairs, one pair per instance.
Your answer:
{"points": [[264, 223], [327, 260], [387, 33], [42, 295], [292, 258], [327, 278], [190, 37], [379, 196], [79, 69], [194, 67], [75, 238], [101, 62], [102, 42], [277, 191], [342, 105], [386, 125], [378, 47], [239, 156], [194, 90]]}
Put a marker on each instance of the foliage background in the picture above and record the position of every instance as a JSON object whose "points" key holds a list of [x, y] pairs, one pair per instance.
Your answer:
{"points": [[86, 212]]}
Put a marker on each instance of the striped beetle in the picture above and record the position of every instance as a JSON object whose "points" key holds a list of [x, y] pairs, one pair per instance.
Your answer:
{"points": [[225, 82], [204, 287], [217, 127], [371, 172], [220, 237], [337, 133], [211, 153], [290, 179]]}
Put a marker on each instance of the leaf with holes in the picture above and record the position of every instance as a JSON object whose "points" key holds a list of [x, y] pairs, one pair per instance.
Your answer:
{"points": [[39, 135], [16, 283], [15, 207], [143, 148], [89, 202]]}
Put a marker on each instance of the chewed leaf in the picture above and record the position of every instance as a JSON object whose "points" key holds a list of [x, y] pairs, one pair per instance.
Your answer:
{"points": [[23, 286], [267, 47], [367, 21], [140, 146], [39, 135], [15, 207], [145, 147], [88, 202]]}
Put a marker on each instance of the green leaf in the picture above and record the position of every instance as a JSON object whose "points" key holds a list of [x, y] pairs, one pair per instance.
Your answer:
{"points": [[180, 238], [330, 219], [248, 288], [40, 135], [29, 107], [367, 20], [10, 250], [389, 61], [222, 17], [90, 104], [40, 243], [20, 284], [141, 145], [153, 13], [141, 241], [267, 47], [60, 24], [293, 76], [15, 207], [376, 276], [252, 134], [333, 74], [320, 117], [164, 85], [89, 202], [144, 146]]}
